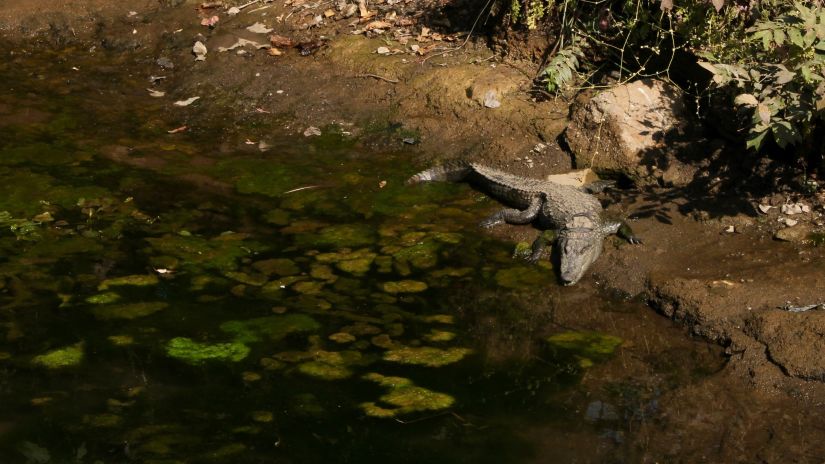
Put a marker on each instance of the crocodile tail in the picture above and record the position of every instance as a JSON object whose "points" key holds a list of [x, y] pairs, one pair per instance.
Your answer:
{"points": [[450, 172]]}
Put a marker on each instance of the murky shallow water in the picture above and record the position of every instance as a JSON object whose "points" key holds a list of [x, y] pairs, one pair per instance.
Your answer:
{"points": [[164, 300]]}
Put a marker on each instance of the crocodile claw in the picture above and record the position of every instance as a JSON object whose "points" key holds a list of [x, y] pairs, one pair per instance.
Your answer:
{"points": [[635, 240]]}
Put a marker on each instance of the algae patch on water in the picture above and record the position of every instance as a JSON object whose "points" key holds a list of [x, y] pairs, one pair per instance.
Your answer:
{"points": [[271, 327], [140, 280], [129, 311], [587, 347], [427, 355], [403, 397], [62, 357], [192, 352]]}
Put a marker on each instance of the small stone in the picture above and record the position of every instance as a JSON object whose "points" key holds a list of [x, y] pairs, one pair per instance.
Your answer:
{"points": [[788, 222], [233, 11], [491, 99], [765, 208], [799, 234], [312, 130], [730, 229], [383, 51], [791, 209]]}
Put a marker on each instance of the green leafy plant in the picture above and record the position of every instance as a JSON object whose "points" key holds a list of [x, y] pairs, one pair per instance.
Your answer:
{"points": [[561, 69], [783, 79]]}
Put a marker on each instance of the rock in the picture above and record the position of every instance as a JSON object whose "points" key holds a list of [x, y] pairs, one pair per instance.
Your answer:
{"points": [[794, 340], [491, 99], [797, 234], [765, 208], [794, 208], [788, 221], [632, 125]]}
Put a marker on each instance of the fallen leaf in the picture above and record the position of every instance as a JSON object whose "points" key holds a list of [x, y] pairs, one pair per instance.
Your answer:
{"points": [[186, 102], [261, 110], [377, 25], [312, 130], [233, 11], [259, 28], [156, 93], [249, 142], [382, 184], [363, 11], [281, 41], [177, 129], [242, 43], [210, 22], [274, 51], [329, 13]]}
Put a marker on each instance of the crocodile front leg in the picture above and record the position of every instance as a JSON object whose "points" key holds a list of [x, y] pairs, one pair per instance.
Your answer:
{"points": [[548, 236], [515, 216]]}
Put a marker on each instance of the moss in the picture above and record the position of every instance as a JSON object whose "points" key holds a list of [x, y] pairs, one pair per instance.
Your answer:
{"points": [[404, 286], [403, 398], [140, 280], [273, 327], [192, 352], [262, 416], [71, 355], [426, 355], [333, 365], [322, 272], [129, 311]]}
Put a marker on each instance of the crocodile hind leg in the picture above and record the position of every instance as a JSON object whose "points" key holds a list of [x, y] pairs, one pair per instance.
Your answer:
{"points": [[514, 216], [626, 233]]}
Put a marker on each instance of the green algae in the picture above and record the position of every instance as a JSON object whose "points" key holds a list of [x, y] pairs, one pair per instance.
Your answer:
{"points": [[404, 397], [260, 176], [333, 365], [426, 355], [404, 286], [140, 280], [71, 355], [422, 255], [277, 217], [22, 192], [192, 352], [356, 266], [522, 277], [343, 235], [280, 266], [103, 298], [342, 337], [324, 371], [105, 420], [272, 328], [255, 280], [221, 253], [591, 345], [308, 287], [439, 336], [129, 311], [322, 272], [121, 340]]}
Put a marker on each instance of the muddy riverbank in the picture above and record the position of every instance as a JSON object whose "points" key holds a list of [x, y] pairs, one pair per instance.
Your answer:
{"points": [[725, 287]]}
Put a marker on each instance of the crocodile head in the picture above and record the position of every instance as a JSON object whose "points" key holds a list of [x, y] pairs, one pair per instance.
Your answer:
{"points": [[579, 244]]}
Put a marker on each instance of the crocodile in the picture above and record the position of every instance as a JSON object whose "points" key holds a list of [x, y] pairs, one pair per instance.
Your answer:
{"points": [[576, 216]]}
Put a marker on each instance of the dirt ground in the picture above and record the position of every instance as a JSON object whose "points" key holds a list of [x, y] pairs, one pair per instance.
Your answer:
{"points": [[727, 287]]}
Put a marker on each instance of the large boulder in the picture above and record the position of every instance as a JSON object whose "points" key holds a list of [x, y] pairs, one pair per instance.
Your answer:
{"points": [[634, 129]]}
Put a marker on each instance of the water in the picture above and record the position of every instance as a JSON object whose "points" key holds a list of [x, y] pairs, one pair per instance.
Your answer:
{"points": [[164, 299]]}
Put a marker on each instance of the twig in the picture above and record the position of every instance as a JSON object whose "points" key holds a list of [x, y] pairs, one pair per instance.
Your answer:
{"points": [[301, 188], [376, 76]]}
